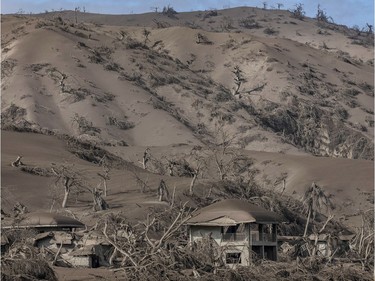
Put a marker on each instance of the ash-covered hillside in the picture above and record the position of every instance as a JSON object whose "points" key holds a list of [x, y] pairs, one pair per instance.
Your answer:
{"points": [[278, 83]]}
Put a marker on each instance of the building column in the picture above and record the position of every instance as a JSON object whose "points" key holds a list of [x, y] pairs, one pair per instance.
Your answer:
{"points": [[274, 234]]}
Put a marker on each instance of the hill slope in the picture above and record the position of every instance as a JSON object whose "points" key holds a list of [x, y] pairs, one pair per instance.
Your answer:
{"points": [[282, 89], [115, 84]]}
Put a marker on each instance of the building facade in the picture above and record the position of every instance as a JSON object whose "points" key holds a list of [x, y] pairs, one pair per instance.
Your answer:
{"points": [[240, 230]]}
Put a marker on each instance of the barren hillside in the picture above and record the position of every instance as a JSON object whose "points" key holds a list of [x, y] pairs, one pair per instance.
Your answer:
{"points": [[272, 82], [134, 77], [238, 103]]}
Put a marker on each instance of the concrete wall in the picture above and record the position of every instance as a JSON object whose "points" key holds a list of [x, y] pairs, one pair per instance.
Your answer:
{"points": [[242, 246], [82, 261], [198, 232]]}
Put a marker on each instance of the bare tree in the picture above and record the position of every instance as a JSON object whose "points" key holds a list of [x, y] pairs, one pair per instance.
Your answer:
{"points": [[169, 11], [313, 200], [362, 243], [99, 203], [105, 177], [145, 158], [155, 9], [369, 28], [238, 80], [322, 16], [163, 191], [264, 5], [68, 178], [143, 184], [280, 5], [145, 34], [143, 255], [298, 12], [198, 165], [220, 151], [76, 10]]}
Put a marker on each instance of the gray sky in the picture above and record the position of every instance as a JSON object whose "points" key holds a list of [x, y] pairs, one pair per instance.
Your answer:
{"points": [[348, 12]]}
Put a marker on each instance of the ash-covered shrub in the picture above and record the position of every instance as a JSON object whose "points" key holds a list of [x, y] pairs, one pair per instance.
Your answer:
{"points": [[26, 269], [249, 23], [121, 124], [270, 31]]}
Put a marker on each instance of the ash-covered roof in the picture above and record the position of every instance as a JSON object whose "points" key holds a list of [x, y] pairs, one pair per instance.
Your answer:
{"points": [[36, 220], [232, 212]]}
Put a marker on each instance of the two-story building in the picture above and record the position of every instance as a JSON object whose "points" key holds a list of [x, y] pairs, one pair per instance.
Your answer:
{"points": [[240, 229]]}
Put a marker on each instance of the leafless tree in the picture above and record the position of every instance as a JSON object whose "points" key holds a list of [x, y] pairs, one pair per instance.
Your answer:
{"points": [[198, 164], [220, 151], [76, 10], [369, 28], [104, 175], [322, 16], [313, 200], [146, 33], [142, 183], [142, 254], [362, 243], [298, 12], [238, 80], [68, 178], [163, 192], [280, 5], [99, 203], [169, 11], [264, 5], [155, 9], [145, 158]]}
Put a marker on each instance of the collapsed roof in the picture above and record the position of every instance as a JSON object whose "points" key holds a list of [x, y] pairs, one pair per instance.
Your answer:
{"points": [[39, 220], [232, 212]]}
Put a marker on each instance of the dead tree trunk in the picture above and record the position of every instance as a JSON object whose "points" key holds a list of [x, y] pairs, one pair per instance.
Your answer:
{"points": [[69, 179], [163, 191], [105, 177], [66, 191], [146, 158], [114, 254], [99, 203], [18, 162], [171, 165], [191, 189]]}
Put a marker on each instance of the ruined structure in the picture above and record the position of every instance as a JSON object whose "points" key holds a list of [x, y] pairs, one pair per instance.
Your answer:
{"points": [[242, 231]]}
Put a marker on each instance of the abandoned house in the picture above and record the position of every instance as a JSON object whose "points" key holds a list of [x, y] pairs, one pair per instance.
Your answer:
{"points": [[84, 257], [328, 244], [93, 251], [44, 222], [241, 230]]}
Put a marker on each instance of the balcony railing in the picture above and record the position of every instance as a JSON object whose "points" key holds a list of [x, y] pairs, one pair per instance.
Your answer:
{"points": [[241, 236], [267, 237], [233, 237]]}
